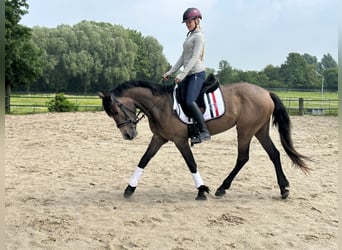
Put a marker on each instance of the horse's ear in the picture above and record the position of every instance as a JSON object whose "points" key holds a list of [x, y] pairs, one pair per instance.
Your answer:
{"points": [[103, 94], [100, 94]]}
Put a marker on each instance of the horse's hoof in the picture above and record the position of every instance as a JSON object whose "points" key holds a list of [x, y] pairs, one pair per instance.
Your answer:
{"points": [[201, 193], [284, 194], [220, 192], [129, 191], [201, 197]]}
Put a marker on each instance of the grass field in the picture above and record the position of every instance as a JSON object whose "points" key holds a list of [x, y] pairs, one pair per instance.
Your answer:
{"points": [[37, 103], [306, 95], [313, 102]]}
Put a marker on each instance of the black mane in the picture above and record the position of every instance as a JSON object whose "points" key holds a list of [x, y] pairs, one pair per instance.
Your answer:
{"points": [[156, 89]]}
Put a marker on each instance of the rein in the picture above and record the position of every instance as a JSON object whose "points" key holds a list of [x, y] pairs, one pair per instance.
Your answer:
{"points": [[125, 110]]}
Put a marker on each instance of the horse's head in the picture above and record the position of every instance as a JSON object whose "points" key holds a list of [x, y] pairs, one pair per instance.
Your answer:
{"points": [[122, 110]]}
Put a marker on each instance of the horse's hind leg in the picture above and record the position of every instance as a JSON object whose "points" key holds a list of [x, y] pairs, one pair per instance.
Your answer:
{"points": [[266, 141], [243, 156]]}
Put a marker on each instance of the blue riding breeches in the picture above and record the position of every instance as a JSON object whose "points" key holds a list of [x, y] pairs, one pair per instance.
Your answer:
{"points": [[193, 84]]}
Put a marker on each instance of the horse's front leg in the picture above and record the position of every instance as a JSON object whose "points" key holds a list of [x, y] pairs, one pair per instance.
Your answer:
{"points": [[153, 147], [186, 152]]}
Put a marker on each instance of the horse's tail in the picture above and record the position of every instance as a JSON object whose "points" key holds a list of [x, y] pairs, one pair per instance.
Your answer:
{"points": [[281, 119]]}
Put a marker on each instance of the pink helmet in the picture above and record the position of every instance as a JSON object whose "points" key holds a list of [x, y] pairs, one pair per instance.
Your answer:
{"points": [[191, 13]]}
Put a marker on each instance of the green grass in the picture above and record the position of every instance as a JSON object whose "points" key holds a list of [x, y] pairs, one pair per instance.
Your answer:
{"points": [[306, 95], [37, 103], [313, 102]]}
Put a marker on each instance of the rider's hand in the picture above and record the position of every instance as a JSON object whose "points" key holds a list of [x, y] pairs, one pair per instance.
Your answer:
{"points": [[177, 80], [166, 76]]}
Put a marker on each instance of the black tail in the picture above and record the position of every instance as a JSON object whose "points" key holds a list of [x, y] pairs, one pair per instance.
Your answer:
{"points": [[281, 119]]}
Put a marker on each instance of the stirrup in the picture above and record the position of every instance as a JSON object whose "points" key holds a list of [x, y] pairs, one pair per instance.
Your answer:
{"points": [[203, 136]]}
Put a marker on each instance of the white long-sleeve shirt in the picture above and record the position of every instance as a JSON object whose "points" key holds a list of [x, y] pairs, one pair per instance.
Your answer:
{"points": [[192, 56]]}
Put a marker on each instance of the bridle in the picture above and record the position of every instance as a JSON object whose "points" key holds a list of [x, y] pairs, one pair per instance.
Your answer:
{"points": [[125, 110]]}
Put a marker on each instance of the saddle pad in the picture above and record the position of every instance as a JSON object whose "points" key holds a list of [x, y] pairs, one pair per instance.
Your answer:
{"points": [[214, 106]]}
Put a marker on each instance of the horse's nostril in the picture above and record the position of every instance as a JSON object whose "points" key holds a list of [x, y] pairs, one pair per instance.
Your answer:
{"points": [[128, 136]]}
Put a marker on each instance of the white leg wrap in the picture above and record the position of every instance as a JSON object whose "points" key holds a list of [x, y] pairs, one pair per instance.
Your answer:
{"points": [[198, 180], [136, 176]]}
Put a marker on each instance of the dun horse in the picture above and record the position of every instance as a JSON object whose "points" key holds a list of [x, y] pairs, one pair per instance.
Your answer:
{"points": [[247, 107]]}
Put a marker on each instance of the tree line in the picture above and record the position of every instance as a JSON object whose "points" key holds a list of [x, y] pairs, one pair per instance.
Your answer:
{"points": [[299, 71], [90, 56]]}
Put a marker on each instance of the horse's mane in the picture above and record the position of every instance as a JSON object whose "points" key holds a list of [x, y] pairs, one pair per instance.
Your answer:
{"points": [[155, 88]]}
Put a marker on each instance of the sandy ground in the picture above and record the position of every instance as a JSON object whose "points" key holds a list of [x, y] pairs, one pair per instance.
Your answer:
{"points": [[65, 176]]}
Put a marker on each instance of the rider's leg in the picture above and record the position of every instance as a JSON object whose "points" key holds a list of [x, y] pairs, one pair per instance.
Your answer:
{"points": [[204, 134], [194, 85]]}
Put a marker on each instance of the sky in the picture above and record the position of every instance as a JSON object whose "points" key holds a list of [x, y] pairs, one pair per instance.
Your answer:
{"points": [[248, 34]]}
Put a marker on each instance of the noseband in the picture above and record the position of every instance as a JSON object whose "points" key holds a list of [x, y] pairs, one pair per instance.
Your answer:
{"points": [[125, 110]]}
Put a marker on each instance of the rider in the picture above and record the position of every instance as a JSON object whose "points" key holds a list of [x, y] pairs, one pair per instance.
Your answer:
{"points": [[193, 74]]}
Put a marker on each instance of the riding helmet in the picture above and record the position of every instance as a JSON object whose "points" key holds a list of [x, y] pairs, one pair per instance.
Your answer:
{"points": [[191, 13]]}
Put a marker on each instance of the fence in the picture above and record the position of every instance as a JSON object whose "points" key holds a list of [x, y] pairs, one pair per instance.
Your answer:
{"points": [[23, 104], [301, 106]]}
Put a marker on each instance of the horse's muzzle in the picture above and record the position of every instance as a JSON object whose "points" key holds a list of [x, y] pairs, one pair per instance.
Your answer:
{"points": [[129, 135]]}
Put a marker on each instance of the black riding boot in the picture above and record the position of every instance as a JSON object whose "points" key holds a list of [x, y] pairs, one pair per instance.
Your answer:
{"points": [[204, 134]]}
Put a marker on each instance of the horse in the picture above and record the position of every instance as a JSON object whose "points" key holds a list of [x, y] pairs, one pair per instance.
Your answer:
{"points": [[248, 107]]}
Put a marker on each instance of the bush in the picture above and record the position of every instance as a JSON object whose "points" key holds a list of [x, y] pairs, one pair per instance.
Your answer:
{"points": [[61, 104]]}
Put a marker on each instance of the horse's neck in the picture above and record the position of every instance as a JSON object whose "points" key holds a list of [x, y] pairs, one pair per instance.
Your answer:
{"points": [[147, 102]]}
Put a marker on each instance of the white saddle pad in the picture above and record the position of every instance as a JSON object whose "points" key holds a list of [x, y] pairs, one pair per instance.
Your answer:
{"points": [[214, 106]]}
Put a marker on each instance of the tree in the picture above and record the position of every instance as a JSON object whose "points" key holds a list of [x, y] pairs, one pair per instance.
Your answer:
{"points": [[331, 79], [273, 76], [225, 73], [156, 62], [22, 57], [91, 56], [294, 71], [80, 65], [141, 62], [54, 45], [303, 71], [311, 60], [327, 62]]}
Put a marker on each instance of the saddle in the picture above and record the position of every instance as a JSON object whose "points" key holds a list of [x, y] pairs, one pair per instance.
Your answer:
{"points": [[210, 101], [209, 85]]}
